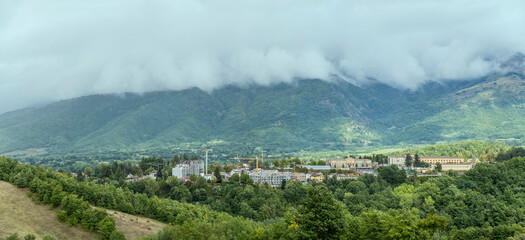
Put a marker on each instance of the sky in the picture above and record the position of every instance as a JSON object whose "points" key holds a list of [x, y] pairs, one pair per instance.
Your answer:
{"points": [[55, 49]]}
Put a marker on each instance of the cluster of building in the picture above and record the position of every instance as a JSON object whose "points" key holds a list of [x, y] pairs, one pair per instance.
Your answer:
{"points": [[275, 178], [447, 163]]}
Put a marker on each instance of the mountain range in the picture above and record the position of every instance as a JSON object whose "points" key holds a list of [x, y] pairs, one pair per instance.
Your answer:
{"points": [[308, 115]]}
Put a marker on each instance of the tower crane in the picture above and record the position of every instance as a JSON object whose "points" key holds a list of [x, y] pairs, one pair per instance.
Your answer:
{"points": [[262, 155], [197, 149], [256, 161]]}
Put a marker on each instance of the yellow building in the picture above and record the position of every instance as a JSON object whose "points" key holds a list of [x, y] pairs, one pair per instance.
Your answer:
{"points": [[340, 163], [319, 177], [350, 163], [442, 160]]}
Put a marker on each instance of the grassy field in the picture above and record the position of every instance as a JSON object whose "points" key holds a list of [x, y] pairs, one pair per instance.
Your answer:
{"points": [[19, 214], [135, 226]]}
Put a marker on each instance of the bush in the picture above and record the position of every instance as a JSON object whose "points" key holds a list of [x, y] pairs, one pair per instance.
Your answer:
{"points": [[30, 237], [49, 237], [62, 216], [14, 237], [117, 235], [73, 221], [106, 227]]}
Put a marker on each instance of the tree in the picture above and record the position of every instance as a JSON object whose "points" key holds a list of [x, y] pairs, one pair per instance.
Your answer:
{"points": [[244, 178], [106, 227], [408, 160], [392, 174], [218, 175], [175, 160], [439, 168], [151, 187], [321, 216], [88, 171], [417, 161], [235, 178], [283, 184], [80, 177]]}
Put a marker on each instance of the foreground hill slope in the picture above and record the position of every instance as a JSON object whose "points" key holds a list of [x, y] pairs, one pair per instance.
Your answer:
{"points": [[308, 115], [19, 214]]}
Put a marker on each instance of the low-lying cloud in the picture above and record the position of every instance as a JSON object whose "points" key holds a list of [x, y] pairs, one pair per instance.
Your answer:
{"points": [[51, 50]]}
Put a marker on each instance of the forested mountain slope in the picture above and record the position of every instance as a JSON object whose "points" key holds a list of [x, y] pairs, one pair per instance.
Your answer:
{"points": [[308, 115]]}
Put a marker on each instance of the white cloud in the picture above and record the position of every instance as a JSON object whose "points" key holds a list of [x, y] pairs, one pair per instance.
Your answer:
{"points": [[56, 49]]}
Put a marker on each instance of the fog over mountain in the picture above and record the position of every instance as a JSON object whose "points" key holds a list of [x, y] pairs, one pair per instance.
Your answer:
{"points": [[62, 49]]}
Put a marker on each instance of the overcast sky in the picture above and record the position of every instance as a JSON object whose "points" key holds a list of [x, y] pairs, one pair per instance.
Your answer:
{"points": [[59, 49]]}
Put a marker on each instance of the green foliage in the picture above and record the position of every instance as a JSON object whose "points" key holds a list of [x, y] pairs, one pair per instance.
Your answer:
{"points": [[438, 168], [73, 222], [485, 151], [13, 236], [30, 237], [49, 237], [106, 227], [117, 235], [392, 174], [408, 160], [320, 217], [217, 175], [62, 216]]}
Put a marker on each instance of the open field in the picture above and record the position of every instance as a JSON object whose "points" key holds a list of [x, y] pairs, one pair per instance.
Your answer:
{"points": [[134, 226], [18, 213]]}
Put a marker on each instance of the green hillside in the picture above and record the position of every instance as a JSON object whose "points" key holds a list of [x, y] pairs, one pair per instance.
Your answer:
{"points": [[310, 115]]}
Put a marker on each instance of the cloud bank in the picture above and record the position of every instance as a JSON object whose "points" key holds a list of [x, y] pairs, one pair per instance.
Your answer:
{"points": [[55, 49]]}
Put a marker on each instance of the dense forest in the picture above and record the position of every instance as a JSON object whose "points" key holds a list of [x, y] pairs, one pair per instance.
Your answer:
{"points": [[484, 203]]}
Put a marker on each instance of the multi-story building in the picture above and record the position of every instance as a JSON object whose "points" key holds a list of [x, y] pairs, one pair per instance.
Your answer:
{"points": [[319, 177], [340, 163], [350, 163], [442, 160], [397, 160], [187, 168], [362, 163], [303, 177], [456, 166], [400, 160], [274, 178], [344, 176]]}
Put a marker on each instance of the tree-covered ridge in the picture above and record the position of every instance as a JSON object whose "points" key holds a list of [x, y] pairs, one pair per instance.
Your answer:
{"points": [[310, 115], [485, 151], [484, 203]]}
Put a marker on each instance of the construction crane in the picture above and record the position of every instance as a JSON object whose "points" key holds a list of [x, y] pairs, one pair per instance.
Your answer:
{"points": [[196, 149], [262, 156], [256, 161]]}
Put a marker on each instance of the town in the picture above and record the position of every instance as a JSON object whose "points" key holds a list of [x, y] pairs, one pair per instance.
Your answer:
{"points": [[343, 168]]}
